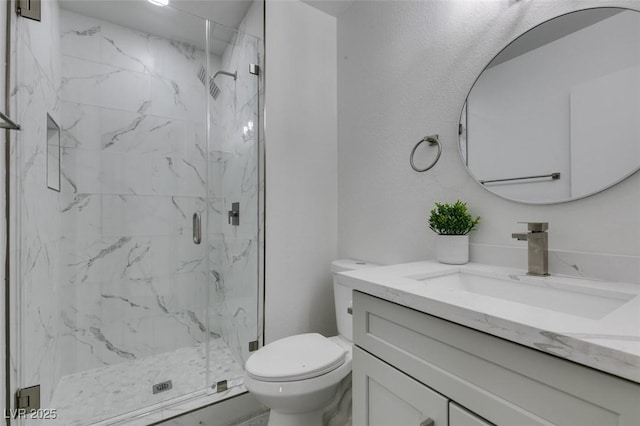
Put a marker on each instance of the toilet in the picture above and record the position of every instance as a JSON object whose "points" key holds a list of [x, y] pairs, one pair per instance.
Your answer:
{"points": [[298, 377]]}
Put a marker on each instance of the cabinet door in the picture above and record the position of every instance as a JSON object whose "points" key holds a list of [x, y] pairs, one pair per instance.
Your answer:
{"points": [[459, 416], [384, 396]]}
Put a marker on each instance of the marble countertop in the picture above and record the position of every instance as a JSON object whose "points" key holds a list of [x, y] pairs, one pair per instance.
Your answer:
{"points": [[608, 341]]}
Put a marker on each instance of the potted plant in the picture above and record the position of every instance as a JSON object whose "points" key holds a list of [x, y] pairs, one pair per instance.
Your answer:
{"points": [[452, 222]]}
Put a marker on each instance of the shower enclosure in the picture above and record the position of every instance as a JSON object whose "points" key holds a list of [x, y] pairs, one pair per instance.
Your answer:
{"points": [[135, 282]]}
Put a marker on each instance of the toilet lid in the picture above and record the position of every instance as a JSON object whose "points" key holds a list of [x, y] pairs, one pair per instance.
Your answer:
{"points": [[295, 358]]}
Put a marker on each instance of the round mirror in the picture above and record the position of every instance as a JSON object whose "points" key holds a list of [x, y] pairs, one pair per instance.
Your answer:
{"points": [[555, 116]]}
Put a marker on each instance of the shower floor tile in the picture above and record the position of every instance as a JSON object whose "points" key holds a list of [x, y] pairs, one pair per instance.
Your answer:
{"points": [[95, 395]]}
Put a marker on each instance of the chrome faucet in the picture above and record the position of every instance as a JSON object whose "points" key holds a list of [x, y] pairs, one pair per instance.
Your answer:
{"points": [[537, 247]]}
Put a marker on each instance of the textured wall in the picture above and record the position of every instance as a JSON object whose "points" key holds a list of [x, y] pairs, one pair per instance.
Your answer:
{"points": [[301, 175], [404, 70]]}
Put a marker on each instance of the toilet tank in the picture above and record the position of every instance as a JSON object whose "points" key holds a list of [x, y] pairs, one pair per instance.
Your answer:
{"points": [[343, 295]]}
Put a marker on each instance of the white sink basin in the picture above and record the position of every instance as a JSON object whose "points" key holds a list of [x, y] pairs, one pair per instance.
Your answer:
{"points": [[541, 292]]}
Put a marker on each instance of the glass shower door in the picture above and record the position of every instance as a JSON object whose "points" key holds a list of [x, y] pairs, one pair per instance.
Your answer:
{"points": [[114, 290], [234, 200]]}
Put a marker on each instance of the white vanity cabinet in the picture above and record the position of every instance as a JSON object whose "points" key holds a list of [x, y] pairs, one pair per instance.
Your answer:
{"points": [[459, 416], [389, 397], [409, 367]]}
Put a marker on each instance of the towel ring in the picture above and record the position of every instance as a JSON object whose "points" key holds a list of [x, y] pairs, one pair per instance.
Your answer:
{"points": [[432, 140]]}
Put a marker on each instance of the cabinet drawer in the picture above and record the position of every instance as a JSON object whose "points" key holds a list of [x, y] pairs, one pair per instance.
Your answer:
{"points": [[458, 416], [384, 396], [505, 383]]}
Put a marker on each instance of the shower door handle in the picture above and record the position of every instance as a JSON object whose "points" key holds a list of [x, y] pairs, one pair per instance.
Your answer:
{"points": [[197, 228]]}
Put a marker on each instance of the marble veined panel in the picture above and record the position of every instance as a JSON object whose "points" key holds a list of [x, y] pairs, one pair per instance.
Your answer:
{"points": [[178, 61], [80, 35], [103, 172], [178, 99], [148, 216], [217, 215], [98, 128], [141, 133], [110, 322], [218, 161], [81, 220], [134, 258], [104, 85], [241, 185], [234, 274], [80, 126], [125, 48]]}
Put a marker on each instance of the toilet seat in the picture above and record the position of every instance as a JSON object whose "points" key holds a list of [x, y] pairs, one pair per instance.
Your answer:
{"points": [[293, 358]]}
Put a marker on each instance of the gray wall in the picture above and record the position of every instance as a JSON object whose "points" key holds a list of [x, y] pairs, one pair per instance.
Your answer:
{"points": [[301, 169]]}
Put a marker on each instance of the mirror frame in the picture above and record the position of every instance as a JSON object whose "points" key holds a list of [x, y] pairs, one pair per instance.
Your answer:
{"points": [[464, 111]]}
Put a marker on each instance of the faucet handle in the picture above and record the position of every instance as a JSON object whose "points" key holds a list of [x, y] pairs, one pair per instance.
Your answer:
{"points": [[537, 226]]}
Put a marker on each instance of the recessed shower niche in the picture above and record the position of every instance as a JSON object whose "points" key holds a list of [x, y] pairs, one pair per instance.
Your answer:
{"points": [[118, 312], [53, 154]]}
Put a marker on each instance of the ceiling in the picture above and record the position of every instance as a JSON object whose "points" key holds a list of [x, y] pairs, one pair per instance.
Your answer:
{"points": [[182, 21]]}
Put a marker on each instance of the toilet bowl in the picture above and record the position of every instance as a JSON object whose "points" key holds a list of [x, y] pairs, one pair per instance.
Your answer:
{"points": [[298, 377]]}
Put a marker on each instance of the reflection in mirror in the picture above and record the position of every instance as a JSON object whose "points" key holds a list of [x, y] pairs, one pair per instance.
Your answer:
{"points": [[554, 116], [53, 154]]}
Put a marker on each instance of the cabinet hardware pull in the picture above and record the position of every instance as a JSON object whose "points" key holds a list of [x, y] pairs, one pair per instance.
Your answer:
{"points": [[428, 422]]}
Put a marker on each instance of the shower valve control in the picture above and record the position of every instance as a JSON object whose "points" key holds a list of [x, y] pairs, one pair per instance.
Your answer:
{"points": [[234, 214]]}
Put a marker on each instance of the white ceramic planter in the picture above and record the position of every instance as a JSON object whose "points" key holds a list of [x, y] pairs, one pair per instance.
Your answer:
{"points": [[452, 249]]}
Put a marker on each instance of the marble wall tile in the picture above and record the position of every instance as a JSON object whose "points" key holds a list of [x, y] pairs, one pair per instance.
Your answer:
{"points": [[104, 85], [178, 99], [234, 268], [90, 171], [218, 161], [178, 61], [80, 36], [78, 124], [125, 48]]}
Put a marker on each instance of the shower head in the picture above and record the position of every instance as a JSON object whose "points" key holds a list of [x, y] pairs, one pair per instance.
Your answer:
{"points": [[214, 90]]}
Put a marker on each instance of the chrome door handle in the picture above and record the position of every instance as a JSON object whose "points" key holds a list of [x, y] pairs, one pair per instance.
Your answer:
{"points": [[197, 228], [428, 422]]}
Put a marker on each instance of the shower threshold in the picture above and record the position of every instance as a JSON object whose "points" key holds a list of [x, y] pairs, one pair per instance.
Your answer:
{"points": [[124, 392]]}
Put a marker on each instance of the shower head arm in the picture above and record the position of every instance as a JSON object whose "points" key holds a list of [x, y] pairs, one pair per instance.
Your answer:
{"points": [[230, 74]]}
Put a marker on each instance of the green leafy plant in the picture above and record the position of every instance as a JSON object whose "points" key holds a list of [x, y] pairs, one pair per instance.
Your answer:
{"points": [[452, 219]]}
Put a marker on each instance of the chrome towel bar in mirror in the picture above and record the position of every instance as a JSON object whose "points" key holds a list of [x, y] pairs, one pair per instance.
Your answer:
{"points": [[553, 176], [432, 140]]}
